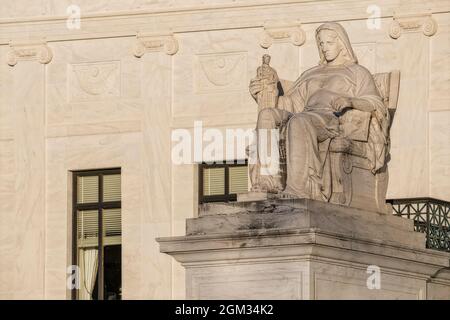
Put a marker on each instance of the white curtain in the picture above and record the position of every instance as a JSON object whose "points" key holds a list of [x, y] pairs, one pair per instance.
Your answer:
{"points": [[89, 267]]}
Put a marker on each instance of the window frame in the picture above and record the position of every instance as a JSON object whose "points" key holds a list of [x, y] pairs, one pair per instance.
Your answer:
{"points": [[226, 197], [99, 205]]}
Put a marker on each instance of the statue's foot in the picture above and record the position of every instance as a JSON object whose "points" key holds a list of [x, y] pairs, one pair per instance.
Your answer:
{"points": [[258, 191], [269, 184], [287, 193]]}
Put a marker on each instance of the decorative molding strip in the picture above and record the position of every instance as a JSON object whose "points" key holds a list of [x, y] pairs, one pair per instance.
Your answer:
{"points": [[27, 51], [413, 23], [82, 129], [205, 17], [155, 43], [233, 120], [292, 33]]}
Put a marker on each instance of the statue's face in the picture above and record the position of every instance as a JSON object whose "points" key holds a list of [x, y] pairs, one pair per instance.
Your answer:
{"points": [[329, 44], [266, 59]]}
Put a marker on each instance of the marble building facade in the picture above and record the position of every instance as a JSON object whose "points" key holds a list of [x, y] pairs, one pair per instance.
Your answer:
{"points": [[110, 93]]}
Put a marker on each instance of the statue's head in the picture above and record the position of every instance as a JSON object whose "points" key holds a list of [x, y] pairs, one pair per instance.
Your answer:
{"points": [[334, 45], [266, 59]]}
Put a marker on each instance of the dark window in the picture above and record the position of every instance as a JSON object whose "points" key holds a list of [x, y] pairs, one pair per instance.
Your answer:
{"points": [[97, 211], [221, 182]]}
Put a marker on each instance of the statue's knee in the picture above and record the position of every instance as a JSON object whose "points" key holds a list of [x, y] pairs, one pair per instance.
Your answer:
{"points": [[296, 122]]}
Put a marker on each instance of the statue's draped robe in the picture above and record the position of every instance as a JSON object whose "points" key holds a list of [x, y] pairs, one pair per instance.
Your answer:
{"points": [[269, 97], [311, 124]]}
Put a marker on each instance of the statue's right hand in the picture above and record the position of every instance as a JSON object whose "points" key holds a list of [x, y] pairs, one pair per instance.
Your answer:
{"points": [[255, 87]]}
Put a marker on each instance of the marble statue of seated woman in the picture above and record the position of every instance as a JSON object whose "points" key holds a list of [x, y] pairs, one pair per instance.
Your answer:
{"points": [[310, 112]]}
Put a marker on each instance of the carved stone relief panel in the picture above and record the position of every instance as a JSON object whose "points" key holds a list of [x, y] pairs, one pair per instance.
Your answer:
{"points": [[94, 81], [220, 72]]}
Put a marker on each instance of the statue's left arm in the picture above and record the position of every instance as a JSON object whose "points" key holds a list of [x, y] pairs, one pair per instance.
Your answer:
{"points": [[366, 96], [362, 105], [368, 99]]}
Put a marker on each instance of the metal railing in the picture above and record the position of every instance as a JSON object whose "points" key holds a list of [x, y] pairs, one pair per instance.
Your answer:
{"points": [[431, 216]]}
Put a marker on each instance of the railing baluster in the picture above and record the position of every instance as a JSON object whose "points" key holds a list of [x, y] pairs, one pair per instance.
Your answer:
{"points": [[431, 216]]}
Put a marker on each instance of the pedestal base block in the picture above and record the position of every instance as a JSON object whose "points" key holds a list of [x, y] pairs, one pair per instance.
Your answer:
{"points": [[304, 249]]}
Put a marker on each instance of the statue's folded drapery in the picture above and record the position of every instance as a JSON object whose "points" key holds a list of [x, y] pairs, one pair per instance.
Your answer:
{"points": [[309, 119], [313, 121]]}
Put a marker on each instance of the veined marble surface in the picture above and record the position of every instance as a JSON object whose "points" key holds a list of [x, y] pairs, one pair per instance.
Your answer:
{"points": [[96, 105]]}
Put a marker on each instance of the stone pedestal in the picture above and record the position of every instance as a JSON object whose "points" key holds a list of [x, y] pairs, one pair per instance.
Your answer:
{"points": [[304, 249]]}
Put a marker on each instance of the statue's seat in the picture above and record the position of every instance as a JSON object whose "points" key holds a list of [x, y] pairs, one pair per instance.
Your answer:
{"points": [[387, 84], [341, 144], [353, 181], [349, 162]]}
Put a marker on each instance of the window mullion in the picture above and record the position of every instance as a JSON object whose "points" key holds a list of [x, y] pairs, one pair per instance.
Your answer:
{"points": [[87, 206], [111, 205], [100, 239], [227, 182], [74, 228]]}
